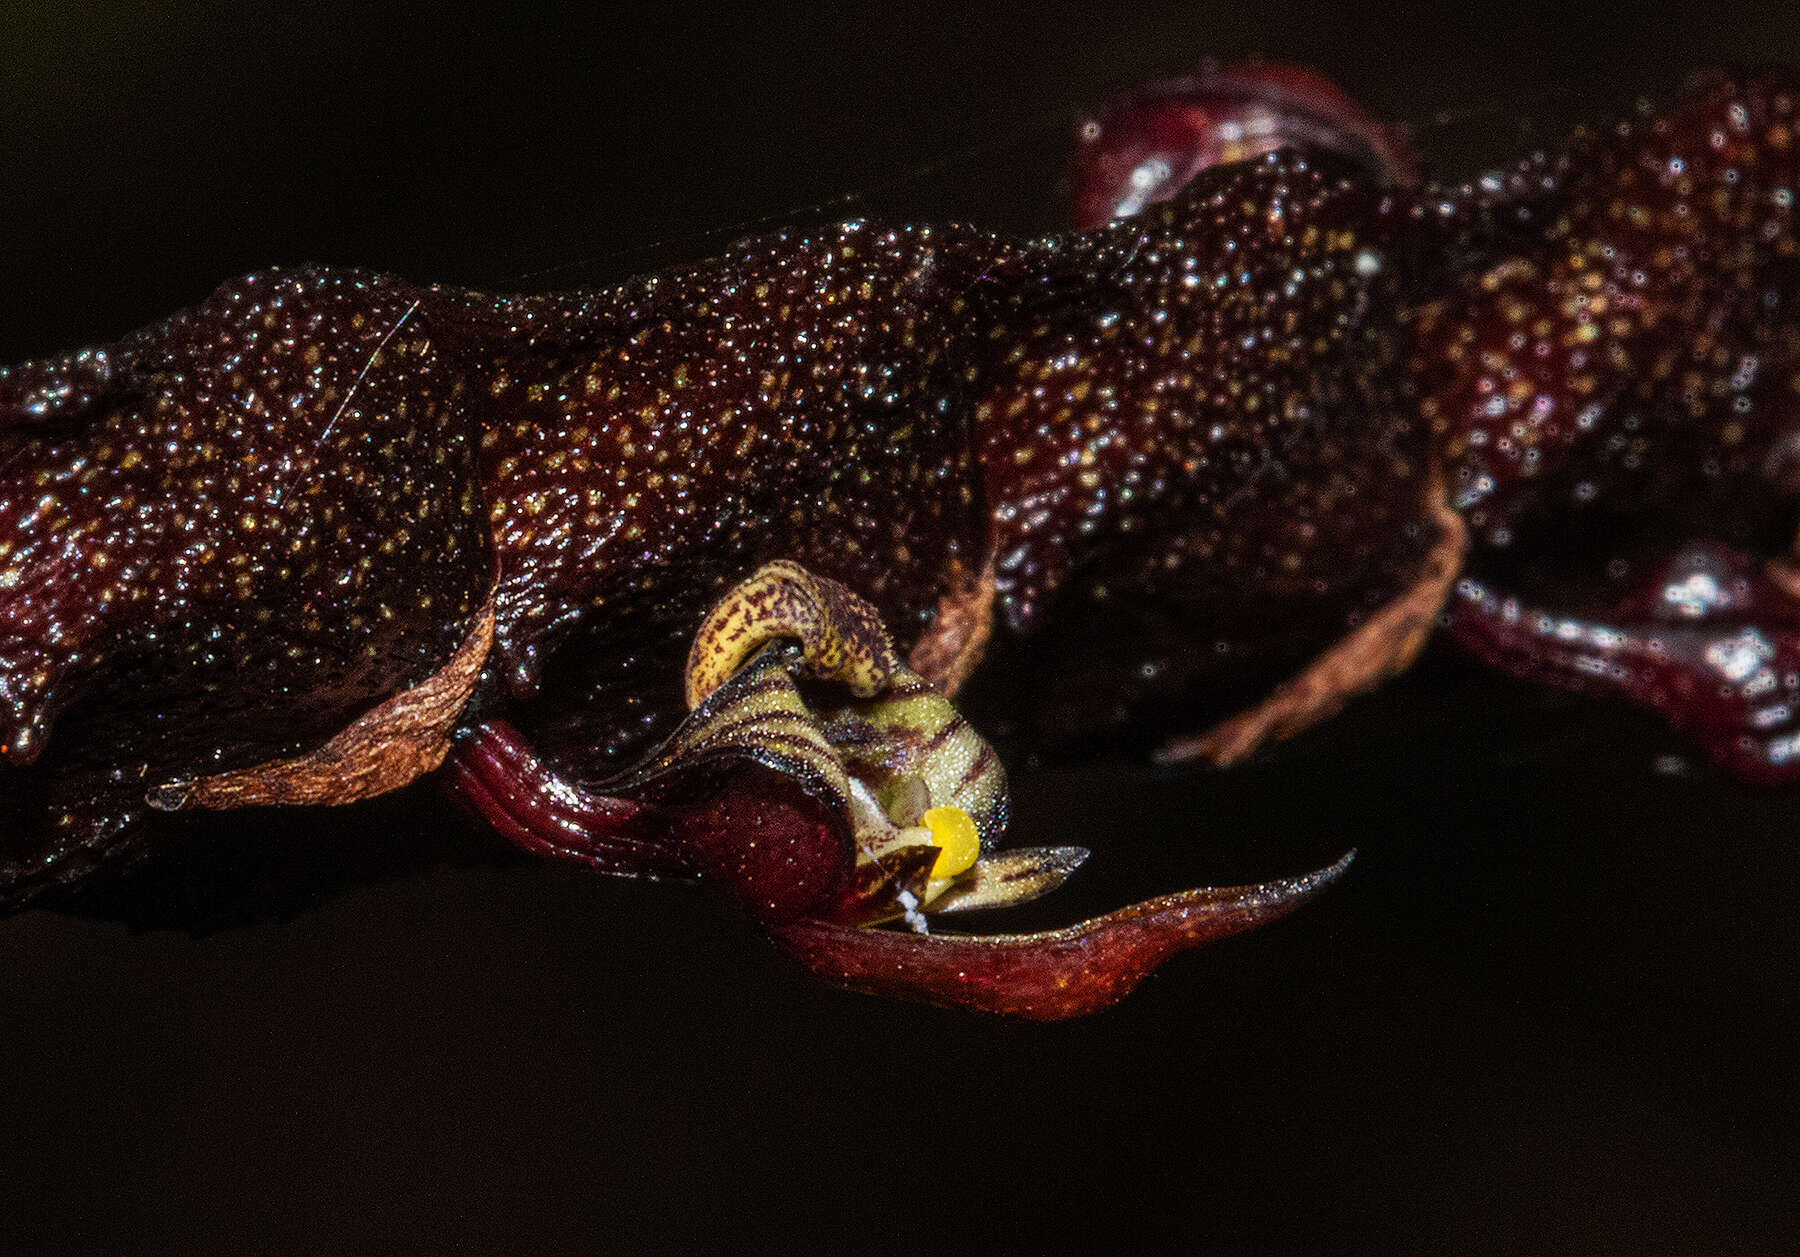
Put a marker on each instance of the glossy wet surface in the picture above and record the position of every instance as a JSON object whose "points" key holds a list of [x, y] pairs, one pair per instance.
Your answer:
{"points": [[1551, 1009]]}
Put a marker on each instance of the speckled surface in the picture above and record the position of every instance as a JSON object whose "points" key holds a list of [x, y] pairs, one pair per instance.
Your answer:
{"points": [[225, 537], [1549, 1004], [275, 501]]}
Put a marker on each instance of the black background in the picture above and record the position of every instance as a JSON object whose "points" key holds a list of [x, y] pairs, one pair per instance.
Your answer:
{"points": [[1552, 1009]]}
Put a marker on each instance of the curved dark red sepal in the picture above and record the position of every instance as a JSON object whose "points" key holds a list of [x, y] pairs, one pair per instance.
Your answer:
{"points": [[1050, 976]]}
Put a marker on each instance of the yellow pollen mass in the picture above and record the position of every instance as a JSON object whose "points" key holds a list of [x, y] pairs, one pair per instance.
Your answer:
{"points": [[953, 833]]}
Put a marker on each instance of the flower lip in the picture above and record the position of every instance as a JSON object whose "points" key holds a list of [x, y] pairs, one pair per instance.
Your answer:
{"points": [[850, 820], [880, 766]]}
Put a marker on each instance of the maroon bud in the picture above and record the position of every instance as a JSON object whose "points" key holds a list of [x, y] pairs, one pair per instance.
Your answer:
{"points": [[1146, 145]]}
